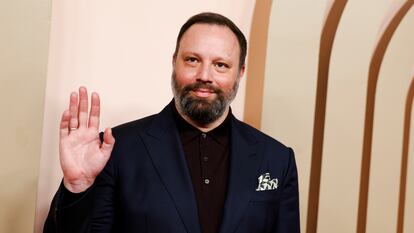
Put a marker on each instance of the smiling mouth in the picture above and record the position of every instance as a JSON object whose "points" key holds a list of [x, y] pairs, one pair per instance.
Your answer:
{"points": [[203, 92]]}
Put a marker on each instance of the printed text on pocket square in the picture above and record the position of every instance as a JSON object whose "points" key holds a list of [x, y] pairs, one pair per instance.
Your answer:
{"points": [[266, 183]]}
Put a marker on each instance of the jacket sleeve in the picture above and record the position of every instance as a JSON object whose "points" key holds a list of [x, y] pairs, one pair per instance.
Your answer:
{"points": [[90, 211], [69, 212], [288, 213]]}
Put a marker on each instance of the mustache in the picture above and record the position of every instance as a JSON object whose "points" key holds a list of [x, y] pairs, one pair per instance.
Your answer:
{"points": [[194, 86]]}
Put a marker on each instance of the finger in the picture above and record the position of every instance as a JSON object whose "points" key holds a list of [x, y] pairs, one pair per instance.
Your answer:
{"points": [[83, 107], [73, 110], [108, 142], [95, 111], [64, 124]]}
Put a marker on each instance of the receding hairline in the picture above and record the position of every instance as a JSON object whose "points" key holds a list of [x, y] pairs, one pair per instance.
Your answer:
{"points": [[237, 43], [211, 18]]}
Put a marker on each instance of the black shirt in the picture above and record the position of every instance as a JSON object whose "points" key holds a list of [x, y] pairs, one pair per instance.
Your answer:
{"points": [[207, 156]]}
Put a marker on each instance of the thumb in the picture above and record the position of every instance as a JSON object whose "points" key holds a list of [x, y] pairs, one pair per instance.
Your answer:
{"points": [[108, 142]]}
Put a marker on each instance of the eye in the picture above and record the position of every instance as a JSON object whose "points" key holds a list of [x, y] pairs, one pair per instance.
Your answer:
{"points": [[191, 60], [222, 65]]}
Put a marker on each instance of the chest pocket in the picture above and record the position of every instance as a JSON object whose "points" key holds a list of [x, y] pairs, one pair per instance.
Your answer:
{"points": [[266, 196]]}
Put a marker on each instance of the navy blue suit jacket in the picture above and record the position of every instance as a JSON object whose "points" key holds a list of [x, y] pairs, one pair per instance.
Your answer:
{"points": [[146, 185]]}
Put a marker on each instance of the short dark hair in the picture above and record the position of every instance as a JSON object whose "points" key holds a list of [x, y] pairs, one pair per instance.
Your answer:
{"points": [[215, 19]]}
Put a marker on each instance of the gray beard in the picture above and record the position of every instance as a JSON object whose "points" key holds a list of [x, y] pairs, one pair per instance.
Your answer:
{"points": [[199, 110]]}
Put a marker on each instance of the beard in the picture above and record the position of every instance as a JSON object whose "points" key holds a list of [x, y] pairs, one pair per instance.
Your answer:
{"points": [[202, 110]]}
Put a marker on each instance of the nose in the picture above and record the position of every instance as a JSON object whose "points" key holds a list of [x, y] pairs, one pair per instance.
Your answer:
{"points": [[204, 74]]}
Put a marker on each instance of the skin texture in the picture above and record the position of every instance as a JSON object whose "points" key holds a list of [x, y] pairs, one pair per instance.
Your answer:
{"points": [[82, 155], [208, 54]]}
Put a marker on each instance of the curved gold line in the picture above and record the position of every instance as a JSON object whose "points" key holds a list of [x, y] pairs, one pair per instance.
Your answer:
{"points": [[374, 68], [327, 38], [256, 63], [404, 157]]}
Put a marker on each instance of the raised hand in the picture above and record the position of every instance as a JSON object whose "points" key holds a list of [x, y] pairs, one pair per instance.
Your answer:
{"points": [[82, 155]]}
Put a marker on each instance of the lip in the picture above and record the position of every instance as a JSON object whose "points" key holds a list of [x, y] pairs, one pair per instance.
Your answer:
{"points": [[203, 92]]}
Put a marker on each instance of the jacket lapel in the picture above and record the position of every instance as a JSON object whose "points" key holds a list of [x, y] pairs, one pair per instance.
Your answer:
{"points": [[164, 146], [244, 165]]}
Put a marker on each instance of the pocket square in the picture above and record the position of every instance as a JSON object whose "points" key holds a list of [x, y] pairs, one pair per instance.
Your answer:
{"points": [[266, 183]]}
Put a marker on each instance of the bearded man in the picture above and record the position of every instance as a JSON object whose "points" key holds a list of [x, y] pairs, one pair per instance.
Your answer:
{"points": [[191, 168]]}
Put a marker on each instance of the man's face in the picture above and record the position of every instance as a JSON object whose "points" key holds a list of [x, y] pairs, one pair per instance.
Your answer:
{"points": [[206, 72]]}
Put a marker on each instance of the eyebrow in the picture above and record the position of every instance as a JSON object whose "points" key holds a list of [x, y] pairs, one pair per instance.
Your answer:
{"points": [[215, 58]]}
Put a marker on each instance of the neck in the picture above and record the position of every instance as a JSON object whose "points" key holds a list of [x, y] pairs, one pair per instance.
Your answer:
{"points": [[202, 127]]}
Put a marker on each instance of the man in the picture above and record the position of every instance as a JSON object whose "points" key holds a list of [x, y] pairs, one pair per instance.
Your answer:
{"points": [[191, 168]]}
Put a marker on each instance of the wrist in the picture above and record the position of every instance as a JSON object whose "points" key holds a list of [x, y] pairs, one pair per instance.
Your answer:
{"points": [[77, 186]]}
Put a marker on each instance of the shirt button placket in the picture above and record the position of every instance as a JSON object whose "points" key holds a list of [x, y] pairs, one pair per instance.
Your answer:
{"points": [[204, 157]]}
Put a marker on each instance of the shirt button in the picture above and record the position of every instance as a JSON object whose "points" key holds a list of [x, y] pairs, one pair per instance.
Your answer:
{"points": [[205, 158], [207, 181], [203, 135]]}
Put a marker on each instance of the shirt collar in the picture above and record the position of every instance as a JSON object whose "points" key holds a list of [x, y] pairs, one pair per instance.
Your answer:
{"points": [[187, 132]]}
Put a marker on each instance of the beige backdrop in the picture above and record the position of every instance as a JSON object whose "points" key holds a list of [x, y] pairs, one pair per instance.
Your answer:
{"points": [[289, 107], [24, 34], [123, 50]]}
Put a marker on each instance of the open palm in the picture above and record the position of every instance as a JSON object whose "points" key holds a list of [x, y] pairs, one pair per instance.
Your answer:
{"points": [[82, 154]]}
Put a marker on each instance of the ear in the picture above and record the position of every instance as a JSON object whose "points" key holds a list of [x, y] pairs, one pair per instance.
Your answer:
{"points": [[174, 58], [242, 69]]}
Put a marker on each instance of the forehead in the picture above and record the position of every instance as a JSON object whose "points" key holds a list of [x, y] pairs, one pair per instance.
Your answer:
{"points": [[210, 39]]}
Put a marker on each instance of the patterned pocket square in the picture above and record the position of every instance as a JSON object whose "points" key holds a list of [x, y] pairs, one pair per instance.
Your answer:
{"points": [[265, 183]]}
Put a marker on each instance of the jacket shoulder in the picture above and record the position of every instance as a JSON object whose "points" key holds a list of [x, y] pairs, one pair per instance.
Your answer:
{"points": [[131, 128], [260, 136]]}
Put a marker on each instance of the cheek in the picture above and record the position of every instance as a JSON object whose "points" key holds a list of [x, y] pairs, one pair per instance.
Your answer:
{"points": [[185, 75], [226, 83]]}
